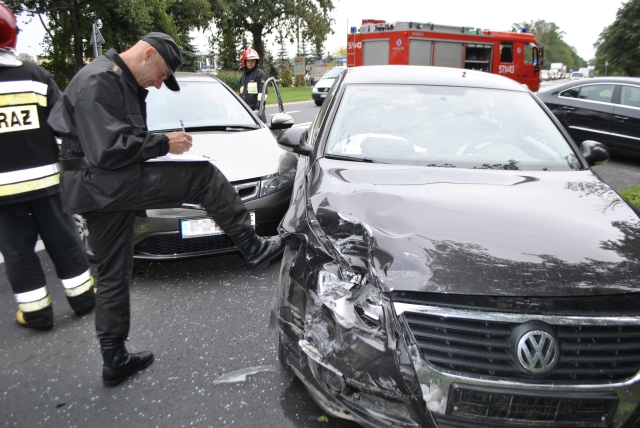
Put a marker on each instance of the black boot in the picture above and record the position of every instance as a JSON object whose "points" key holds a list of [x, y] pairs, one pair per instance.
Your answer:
{"points": [[40, 320], [119, 363], [258, 251], [83, 303]]}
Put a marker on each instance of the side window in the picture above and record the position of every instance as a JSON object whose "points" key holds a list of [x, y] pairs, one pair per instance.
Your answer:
{"points": [[506, 52], [530, 54], [571, 93], [630, 96], [601, 93]]}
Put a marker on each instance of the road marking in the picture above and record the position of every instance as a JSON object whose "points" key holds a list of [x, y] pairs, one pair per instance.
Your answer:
{"points": [[302, 124]]}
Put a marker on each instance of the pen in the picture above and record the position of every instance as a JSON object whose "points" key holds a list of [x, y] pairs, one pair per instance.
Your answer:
{"points": [[182, 125]]}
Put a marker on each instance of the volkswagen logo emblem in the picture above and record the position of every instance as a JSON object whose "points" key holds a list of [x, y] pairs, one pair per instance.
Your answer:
{"points": [[538, 351]]}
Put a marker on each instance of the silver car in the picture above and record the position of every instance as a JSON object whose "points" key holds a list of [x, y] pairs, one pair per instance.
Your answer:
{"points": [[238, 142]]}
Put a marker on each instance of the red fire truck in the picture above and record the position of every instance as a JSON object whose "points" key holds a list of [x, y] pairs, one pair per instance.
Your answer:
{"points": [[515, 55]]}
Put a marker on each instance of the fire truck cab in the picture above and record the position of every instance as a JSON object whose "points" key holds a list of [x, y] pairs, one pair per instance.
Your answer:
{"points": [[514, 55]]}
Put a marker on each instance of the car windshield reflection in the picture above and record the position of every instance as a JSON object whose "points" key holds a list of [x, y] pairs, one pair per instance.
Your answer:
{"points": [[448, 127], [199, 105]]}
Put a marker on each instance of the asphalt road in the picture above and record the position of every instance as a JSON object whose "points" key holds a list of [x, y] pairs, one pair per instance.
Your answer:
{"points": [[202, 318]]}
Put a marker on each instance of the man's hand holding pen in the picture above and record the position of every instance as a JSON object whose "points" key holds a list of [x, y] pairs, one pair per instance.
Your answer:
{"points": [[179, 141]]}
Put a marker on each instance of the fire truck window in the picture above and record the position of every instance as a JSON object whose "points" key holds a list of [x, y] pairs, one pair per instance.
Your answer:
{"points": [[530, 54], [506, 52]]}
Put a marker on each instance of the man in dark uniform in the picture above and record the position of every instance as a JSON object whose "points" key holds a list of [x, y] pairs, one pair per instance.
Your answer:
{"points": [[252, 78], [30, 203], [101, 118]]}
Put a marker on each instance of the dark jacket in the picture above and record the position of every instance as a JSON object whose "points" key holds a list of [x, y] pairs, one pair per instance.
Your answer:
{"points": [[29, 161], [102, 116], [253, 75]]}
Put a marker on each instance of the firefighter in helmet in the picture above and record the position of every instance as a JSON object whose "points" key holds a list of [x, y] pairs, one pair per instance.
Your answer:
{"points": [[252, 78], [30, 203]]}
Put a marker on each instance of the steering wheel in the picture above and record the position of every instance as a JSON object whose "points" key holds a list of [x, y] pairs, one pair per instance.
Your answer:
{"points": [[484, 143]]}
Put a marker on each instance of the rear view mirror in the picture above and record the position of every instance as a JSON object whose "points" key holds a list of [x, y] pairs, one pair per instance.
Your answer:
{"points": [[281, 121], [295, 140], [595, 153]]}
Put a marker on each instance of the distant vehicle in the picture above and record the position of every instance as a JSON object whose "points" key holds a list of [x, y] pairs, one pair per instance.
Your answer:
{"points": [[553, 75], [586, 72], [544, 75], [321, 89], [560, 69], [576, 75], [605, 109]]}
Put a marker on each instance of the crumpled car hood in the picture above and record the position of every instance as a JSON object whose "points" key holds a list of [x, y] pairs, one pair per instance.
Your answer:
{"points": [[239, 155], [484, 232]]}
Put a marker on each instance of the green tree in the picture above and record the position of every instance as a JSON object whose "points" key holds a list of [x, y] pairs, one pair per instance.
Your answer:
{"points": [[25, 57], [69, 22], [283, 52], [619, 43], [261, 18], [550, 38], [189, 56]]}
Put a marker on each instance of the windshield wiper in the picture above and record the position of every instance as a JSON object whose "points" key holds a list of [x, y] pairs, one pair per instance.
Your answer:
{"points": [[227, 128], [350, 158]]}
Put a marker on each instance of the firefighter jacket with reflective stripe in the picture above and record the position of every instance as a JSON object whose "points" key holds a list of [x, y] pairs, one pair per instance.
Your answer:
{"points": [[251, 85], [102, 116], [29, 160]]}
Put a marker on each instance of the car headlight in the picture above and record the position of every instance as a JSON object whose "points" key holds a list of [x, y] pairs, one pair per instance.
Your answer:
{"points": [[315, 89], [274, 183]]}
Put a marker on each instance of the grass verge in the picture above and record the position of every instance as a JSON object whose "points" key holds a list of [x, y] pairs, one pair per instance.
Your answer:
{"points": [[632, 194], [291, 95]]}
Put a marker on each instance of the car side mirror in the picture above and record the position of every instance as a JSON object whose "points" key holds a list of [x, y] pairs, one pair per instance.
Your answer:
{"points": [[595, 153], [281, 121], [295, 140]]}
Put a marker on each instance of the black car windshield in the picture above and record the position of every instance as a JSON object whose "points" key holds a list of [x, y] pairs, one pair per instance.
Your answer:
{"points": [[333, 73], [448, 127], [198, 105]]}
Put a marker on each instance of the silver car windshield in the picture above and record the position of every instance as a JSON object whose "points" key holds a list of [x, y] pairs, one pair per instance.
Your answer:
{"points": [[198, 105], [447, 127], [333, 73]]}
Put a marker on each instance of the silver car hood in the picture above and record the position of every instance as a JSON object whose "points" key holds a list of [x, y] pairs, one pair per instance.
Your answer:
{"points": [[239, 155]]}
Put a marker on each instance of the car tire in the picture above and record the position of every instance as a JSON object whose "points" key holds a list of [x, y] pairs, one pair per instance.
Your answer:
{"points": [[318, 102]]}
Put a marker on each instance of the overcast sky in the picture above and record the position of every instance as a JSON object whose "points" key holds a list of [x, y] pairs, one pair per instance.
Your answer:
{"points": [[582, 21]]}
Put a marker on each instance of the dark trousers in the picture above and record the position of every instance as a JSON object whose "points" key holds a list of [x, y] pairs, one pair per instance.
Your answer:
{"points": [[163, 185], [20, 225]]}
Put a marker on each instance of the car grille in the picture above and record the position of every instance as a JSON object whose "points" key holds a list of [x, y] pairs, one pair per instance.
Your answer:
{"points": [[478, 342], [170, 244], [487, 407], [323, 89]]}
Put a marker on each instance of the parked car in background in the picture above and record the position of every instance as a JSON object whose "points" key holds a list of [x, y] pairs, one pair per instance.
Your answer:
{"points": [[321, 89], [606, 109], [239, 144], [544, 74], [451, 260], [576, 75], [552, 75]]}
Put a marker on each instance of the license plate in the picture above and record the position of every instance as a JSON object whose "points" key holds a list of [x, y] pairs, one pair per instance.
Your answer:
{"points": [[323, 95], [193, 228]]}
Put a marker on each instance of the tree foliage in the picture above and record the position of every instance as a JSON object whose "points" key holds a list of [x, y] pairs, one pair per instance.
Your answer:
{"points": [[550, 38], [311, 17], [69, 23], [619, 43]]}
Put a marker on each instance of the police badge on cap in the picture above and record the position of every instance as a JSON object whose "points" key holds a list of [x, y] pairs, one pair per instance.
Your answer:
{"points": [[170, 52]]}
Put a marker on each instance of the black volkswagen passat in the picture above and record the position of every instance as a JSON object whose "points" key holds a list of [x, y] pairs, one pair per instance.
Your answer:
{"points": [[452, 261], [606, 109]]}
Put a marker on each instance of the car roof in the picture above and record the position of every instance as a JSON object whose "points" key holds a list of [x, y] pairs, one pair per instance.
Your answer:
{"points": [[592, 81], [429, 75]]}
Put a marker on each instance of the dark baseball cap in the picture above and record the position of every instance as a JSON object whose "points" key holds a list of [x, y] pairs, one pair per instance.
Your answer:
{"points": [[170, 52]]}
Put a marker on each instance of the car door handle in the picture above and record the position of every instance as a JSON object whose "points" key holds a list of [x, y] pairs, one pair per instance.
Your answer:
{"points": [[565, 108], [621, 118]]}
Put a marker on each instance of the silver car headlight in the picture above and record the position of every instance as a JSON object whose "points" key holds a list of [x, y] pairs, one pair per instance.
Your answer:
{"points": [[315, 89], [276, 182]]}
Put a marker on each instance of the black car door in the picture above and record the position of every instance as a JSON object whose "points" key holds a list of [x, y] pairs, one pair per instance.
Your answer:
{"points": [[587, 112], [625, 129]]}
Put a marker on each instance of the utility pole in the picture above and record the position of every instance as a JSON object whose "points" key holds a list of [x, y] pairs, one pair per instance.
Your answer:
{"points": [[96, 40]]}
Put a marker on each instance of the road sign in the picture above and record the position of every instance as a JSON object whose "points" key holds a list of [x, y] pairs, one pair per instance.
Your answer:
{"points": [[298, 66]]}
